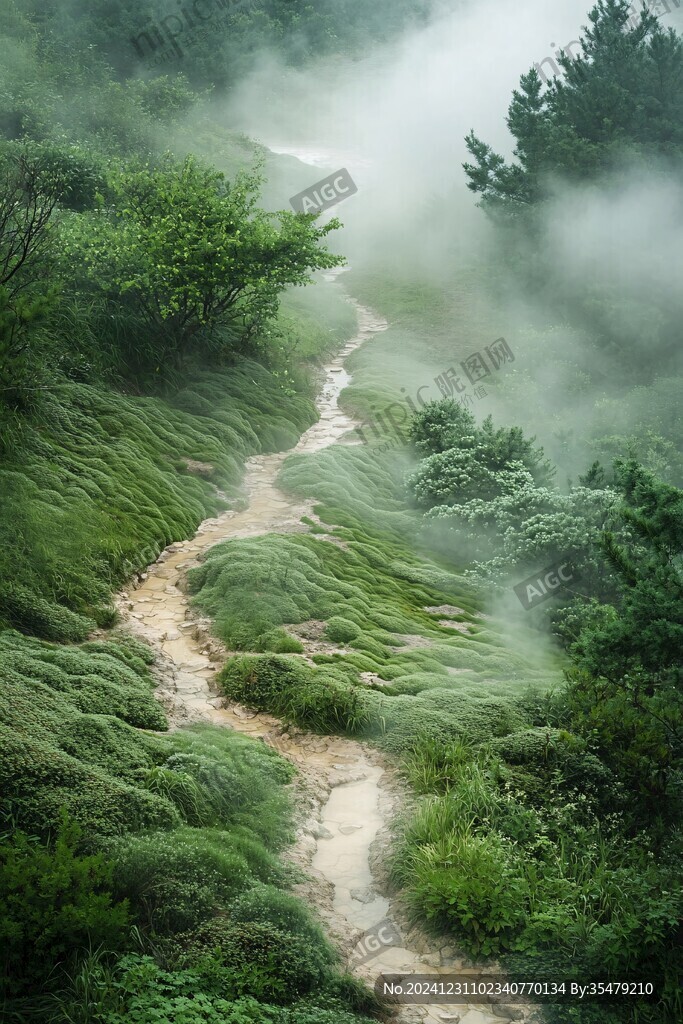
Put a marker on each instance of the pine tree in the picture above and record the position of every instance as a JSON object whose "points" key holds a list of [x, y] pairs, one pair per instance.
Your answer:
{"points": [[621, 95]]}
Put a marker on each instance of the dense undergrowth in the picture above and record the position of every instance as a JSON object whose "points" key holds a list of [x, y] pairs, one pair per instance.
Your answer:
{"points": [[141, 875], [147, 348], [149, 344], [444, 670], [527, 844], [139, 872]]}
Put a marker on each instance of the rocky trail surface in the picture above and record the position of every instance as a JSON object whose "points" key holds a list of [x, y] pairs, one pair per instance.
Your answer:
{"points": [[348, 792]]}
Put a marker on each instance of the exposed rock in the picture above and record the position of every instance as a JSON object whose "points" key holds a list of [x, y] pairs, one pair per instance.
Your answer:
{"points": [[462, 627], [445, 609], [433, 959]]}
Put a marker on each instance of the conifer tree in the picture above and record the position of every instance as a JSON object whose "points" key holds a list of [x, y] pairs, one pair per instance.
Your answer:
{"points": [[620, 96]]}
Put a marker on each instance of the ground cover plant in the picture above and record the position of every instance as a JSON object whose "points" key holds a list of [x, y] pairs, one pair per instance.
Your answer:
{"points": [[534, 837], [530, 795], [144, 866], [102, 482], [568, 832], [394, 662]]}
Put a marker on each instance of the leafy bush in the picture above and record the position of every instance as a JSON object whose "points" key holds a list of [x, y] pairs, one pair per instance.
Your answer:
{"points": [[176, 881], [262, 682], [201, 281], [142, 992], [262, 960], [279, 641], [264, 904], [313, 699], [53, 901], [38, 780], [458, 879]]}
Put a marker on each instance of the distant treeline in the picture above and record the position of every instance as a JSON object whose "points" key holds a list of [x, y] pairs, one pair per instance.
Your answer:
{"points": [[297, 29]]}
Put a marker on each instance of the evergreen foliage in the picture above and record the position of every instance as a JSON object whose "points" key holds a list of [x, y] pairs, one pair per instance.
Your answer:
{"points": [[618, 98]]}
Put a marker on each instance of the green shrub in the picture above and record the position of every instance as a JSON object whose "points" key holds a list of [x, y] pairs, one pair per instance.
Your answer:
{"points": [[341, 630], [37, 780], [53, 900], [316, 700], [545, 759], [262, 960], [107, 742], [279, 641], [141, 992], [33, 614], [262, 682], [472, 884], [240, 782], [326, 705], [265, 904], [176, 881]]}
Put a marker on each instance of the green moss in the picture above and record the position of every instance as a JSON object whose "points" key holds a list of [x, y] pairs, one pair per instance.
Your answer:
{"points": [[341, 630], [178, 880], [107, 681], [95, 495], [279, 641], [106, 742]]}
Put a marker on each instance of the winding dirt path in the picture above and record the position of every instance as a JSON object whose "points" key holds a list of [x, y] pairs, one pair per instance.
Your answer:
{"points": [[348, 793]]}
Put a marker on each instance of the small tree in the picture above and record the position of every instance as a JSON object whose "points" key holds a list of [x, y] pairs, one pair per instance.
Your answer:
{"points": [[194, 254], [628, 685], [28, 198]]}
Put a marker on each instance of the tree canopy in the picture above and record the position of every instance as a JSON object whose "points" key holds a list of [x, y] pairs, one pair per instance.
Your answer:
{"points": [[619, 97]]}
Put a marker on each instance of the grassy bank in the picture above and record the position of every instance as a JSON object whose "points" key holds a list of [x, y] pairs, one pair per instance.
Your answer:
{"points": [[160, 893]]}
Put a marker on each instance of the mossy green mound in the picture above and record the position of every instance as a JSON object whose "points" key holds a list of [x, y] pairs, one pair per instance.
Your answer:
{"points": [[372, 593], [97, 491]]}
